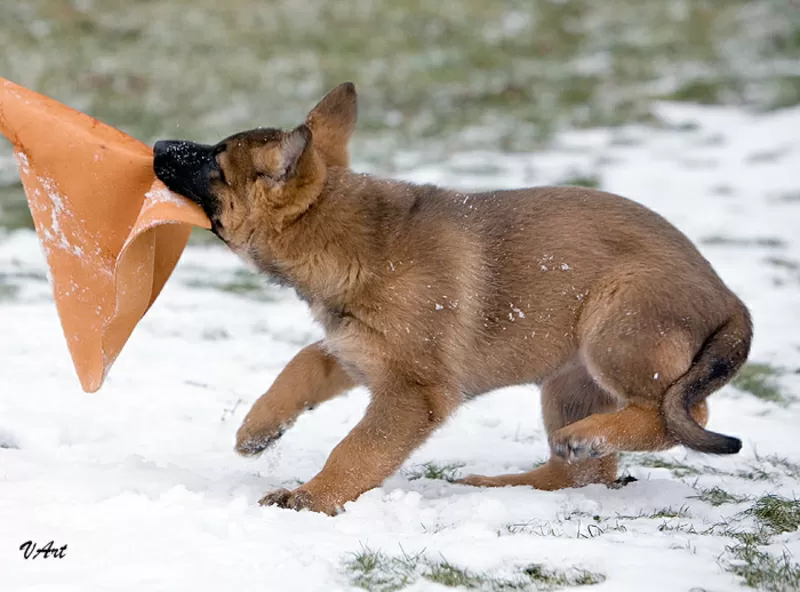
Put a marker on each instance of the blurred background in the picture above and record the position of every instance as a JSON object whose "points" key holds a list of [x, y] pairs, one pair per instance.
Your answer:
{"points": [[471, 94], [433, 77]]}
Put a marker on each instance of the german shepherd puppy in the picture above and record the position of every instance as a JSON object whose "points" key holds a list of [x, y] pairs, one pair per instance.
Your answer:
{"points": [[430, 297]]}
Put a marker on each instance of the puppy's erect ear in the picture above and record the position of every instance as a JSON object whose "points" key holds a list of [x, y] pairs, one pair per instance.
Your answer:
{"points": [[292, 147], [333, 121]]}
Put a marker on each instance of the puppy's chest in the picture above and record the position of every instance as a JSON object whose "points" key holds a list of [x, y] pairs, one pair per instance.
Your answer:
{"points": [[333, 319], [361, 350]]}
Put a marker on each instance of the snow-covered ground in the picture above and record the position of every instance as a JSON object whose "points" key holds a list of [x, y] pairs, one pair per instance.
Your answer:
{"points": [[141, 482]]}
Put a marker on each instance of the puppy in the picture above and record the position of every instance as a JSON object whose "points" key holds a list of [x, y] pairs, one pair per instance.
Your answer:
{"points": [[430, 297]]}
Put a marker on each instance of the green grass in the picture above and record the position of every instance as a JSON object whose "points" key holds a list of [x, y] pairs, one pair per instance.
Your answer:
{"points": [[652, 461], [672, 526], [751, 555], [682, 512], [704, 92], [763, 571], [587, 526], [760, 381], [768, 468], [432, 470], [453, 577], [716, 496], [526, 58], [764, 468], [379, 572], [781, 464], [747, 558], [776, 513], [546, 579], [538, 528], [574, 525]]}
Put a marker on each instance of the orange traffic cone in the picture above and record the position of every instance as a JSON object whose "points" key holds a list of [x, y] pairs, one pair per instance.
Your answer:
{"points": [[111, 232]]}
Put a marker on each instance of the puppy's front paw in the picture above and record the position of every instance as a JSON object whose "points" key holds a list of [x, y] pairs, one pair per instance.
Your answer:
{"points": [[291, 500], [299, 499], [573, 445], [254, 438]]}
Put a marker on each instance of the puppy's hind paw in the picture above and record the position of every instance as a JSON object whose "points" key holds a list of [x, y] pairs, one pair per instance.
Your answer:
{"points": [[571, 445]]}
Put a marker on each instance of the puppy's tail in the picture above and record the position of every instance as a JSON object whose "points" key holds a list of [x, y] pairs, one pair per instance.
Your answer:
{"points": [[718, 361]]}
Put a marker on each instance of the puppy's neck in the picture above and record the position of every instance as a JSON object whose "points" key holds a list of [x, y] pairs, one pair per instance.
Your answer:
{"points": [[336, 249], [304, 242]]}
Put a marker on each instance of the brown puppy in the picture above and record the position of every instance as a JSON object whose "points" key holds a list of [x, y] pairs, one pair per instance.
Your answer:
{"points": [[430, 297]]}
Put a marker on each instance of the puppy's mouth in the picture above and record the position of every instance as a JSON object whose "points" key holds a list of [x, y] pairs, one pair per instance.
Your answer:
{"points": [[184, 167]]}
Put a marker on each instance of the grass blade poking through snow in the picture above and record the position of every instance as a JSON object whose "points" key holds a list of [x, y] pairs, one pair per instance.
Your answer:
{"points": [[378, 572]]}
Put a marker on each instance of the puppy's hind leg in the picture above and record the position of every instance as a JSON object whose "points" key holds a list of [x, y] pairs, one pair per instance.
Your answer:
{"points": [[642, 352], [312, 377], [569, 396]]}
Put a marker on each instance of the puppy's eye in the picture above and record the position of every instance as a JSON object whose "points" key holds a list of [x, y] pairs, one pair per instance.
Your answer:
{"points": [[265, 176]]}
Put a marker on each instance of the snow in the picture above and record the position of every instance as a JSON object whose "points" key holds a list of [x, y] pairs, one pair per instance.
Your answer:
{"points": [[142, 484], [54, 235], [164, 195], [22, 161]]}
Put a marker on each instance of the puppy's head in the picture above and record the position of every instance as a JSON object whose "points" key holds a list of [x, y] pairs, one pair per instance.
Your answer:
{"points": [[260, 178]]}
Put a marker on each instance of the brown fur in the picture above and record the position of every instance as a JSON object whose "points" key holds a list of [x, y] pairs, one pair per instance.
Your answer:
{"points": [[429, 297]]}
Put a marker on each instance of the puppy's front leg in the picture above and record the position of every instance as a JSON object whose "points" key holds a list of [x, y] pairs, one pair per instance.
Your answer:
{"points": [[399, 418], [312, 377]]}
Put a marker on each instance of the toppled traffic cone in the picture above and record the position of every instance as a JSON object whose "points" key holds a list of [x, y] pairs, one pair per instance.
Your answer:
{"points": [[111, 232]]}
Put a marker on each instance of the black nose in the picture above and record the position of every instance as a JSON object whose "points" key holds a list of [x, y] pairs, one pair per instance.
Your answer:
{"points": [[175, 158], [184, 167], [163, 146]]}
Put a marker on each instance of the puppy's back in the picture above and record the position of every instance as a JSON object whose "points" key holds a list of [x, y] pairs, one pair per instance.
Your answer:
{"points": [[538, 258]]}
